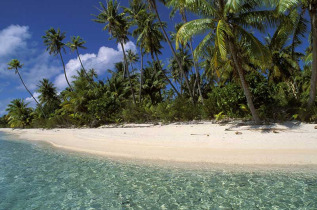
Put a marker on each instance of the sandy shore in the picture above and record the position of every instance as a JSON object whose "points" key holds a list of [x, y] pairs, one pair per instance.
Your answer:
{"points": [[287, 144]]}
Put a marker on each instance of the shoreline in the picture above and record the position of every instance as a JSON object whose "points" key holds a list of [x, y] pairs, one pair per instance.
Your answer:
{"points": [[204, 143]]}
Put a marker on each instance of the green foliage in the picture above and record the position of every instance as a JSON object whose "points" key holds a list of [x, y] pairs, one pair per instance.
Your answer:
{"points": [[220, 116], [180, 109], [48, 96], [239, 72], [4, 122], [226, 99], [19, 114], [104, 109]]}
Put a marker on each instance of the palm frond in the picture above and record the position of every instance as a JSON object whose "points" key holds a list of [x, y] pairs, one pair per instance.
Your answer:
{"points": [[255, 46], [194, 27], [223, 32]]}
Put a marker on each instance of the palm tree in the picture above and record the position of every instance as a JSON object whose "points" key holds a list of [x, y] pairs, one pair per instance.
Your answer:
{"points": [[154, 82], [74, 44], [19, 115], [118, 26], [137, 14], [48, 96], [285, 61], [187, 64], [153, 5], [150, 37], [53, 40], [16, 65], [181, 5], [226, 21], [132, 58], [311, 7]]}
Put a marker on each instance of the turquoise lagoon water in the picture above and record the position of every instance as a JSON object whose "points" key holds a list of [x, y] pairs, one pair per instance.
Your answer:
{"points": [[34, 176]]}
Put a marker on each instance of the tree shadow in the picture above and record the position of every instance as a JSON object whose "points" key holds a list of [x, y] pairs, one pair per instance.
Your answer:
{"points": [[264, 128]]}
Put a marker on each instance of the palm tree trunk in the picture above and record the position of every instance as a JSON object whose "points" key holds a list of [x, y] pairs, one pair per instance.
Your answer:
{"points": [[195, 64], [245, 87], [141, 75], [168, 80], [126, 69], [30, 93], [82, 66], [313, 81], [60, 54], [173, 51]]}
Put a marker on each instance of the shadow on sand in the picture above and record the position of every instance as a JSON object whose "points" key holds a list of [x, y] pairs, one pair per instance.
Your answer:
{"points": [[265, 128]]}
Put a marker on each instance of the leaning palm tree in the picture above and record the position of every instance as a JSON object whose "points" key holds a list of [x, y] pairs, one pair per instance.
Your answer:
{"points": [[117, 26], [226, 22], [303, 6], [16, 65], [54, 42], [153, 6], [75, 43]]}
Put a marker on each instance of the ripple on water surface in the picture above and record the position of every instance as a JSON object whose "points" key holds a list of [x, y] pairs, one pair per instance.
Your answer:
{"points": [[37, 177]]}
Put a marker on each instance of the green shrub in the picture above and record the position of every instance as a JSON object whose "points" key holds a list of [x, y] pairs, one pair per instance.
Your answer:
{"points": [[227, 99]]}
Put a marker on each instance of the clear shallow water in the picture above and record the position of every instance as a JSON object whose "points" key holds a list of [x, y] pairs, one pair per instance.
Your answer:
{"points": [[39, 177]]}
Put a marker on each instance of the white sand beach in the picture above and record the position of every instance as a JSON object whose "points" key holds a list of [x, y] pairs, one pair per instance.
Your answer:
{"points": [[286, 144]]}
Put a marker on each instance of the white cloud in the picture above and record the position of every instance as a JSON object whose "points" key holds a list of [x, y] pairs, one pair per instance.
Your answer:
{"points": [[15, 43], [105, 59], [42, 66], [13, 38], [127, 46]]}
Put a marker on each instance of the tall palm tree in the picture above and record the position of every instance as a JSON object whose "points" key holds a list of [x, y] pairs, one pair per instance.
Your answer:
{"points": [[137, 14], [226, 22], [16, 65], [181, 5], [153, 5], [311, 7], [53, 40], [150, 37], [19, 114], [118, 26], [74, 44]]}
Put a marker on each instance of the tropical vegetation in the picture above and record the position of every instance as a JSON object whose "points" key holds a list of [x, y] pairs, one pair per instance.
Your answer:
{"points": [[231, 59]]}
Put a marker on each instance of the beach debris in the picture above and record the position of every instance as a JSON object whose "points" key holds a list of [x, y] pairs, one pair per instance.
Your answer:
{"points": [[316, 127], [275, 131], [196, 134], [238, 133]]}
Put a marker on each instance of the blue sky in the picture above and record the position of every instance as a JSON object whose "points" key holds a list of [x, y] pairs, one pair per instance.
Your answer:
{"points": [[23, 23]]}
